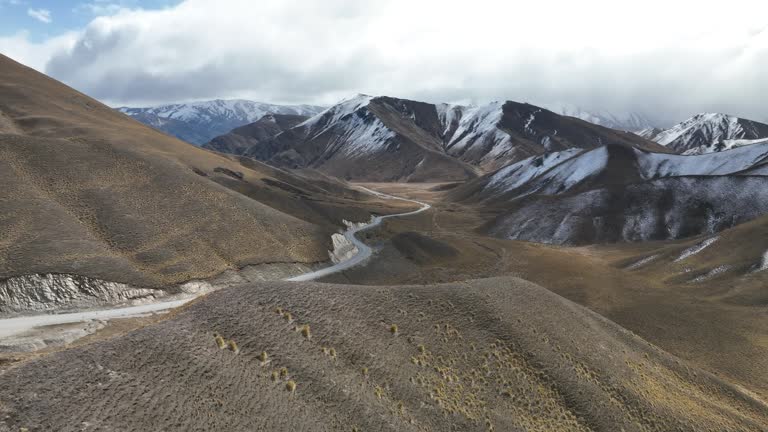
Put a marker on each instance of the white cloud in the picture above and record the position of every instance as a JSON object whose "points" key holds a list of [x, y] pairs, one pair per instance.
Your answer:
{"points": [[42, 15], [666, 59], [35, 55], [104, 7]]}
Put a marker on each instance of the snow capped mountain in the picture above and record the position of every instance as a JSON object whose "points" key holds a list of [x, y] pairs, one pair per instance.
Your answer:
{"points": [[332, 115], [362, 133], [558, 172], [708, 132], [517, 174], [723, 145], [366, 137], [615, 193], [449, 116], [253, 134], [199, 122], [656, 165], [381, 138], [627, 121], [494, 134], [476, 126]]}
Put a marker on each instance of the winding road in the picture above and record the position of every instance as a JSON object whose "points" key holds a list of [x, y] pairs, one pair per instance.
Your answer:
{"points": [[13, 326], [363, 250]]}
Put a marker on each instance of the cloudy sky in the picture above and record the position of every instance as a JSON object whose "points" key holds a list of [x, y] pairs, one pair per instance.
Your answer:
{"points": [[665, 59]]}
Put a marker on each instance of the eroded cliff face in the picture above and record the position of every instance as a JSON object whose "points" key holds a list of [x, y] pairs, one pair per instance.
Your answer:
{"points": [[49, 292], [45, 292], [343, 248]]}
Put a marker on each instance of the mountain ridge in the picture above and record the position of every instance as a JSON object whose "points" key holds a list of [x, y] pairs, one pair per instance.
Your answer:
{"points": [[706, 132], [616, 194], [92, 192], [460, 140], [199, 122]]}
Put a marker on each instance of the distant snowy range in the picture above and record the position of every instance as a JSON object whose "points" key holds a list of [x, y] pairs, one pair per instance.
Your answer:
{"points": [[199, 122], [558, 174]]}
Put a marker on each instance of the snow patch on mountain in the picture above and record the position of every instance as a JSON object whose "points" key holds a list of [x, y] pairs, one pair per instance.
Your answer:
{"points": [[478, 123], [330, 116], [478, 127], [693, 250], [763, 262], [711, 274], [529, 121], [707, 133], [723, 146], [655, 165], [517, 174], [199, 122], [573, 171], [714, 126], [364, 137], [449, 115], [641, 262], [214, 110], [357, 131]]}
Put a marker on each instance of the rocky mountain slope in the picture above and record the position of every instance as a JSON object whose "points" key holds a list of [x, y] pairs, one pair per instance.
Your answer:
{"points": [[615, 193], [707, 132], [241, 139], [384, 138], [723, 145], [89, 191], [368, 138], [475, 356], [199, 122]]}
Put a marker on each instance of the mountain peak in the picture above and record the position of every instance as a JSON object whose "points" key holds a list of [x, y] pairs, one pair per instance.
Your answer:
{"points": [[707, 132], [382, 138]]}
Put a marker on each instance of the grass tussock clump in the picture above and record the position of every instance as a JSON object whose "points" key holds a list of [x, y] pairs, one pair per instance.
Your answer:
{"points": [[220, 342], [290, 386], [305, 331], [263, 357], [393, 329], [232, 345]]}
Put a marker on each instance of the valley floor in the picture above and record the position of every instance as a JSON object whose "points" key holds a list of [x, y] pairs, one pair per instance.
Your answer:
{"points": [[697, 321]]}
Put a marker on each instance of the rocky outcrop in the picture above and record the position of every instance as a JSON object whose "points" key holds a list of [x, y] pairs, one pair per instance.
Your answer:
{"points": [[343, 248], [44, 292]]}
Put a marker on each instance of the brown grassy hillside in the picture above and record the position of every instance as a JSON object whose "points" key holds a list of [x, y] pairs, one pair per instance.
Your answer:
{"points": [[495, 354], [90, 191], [718, 323]]}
